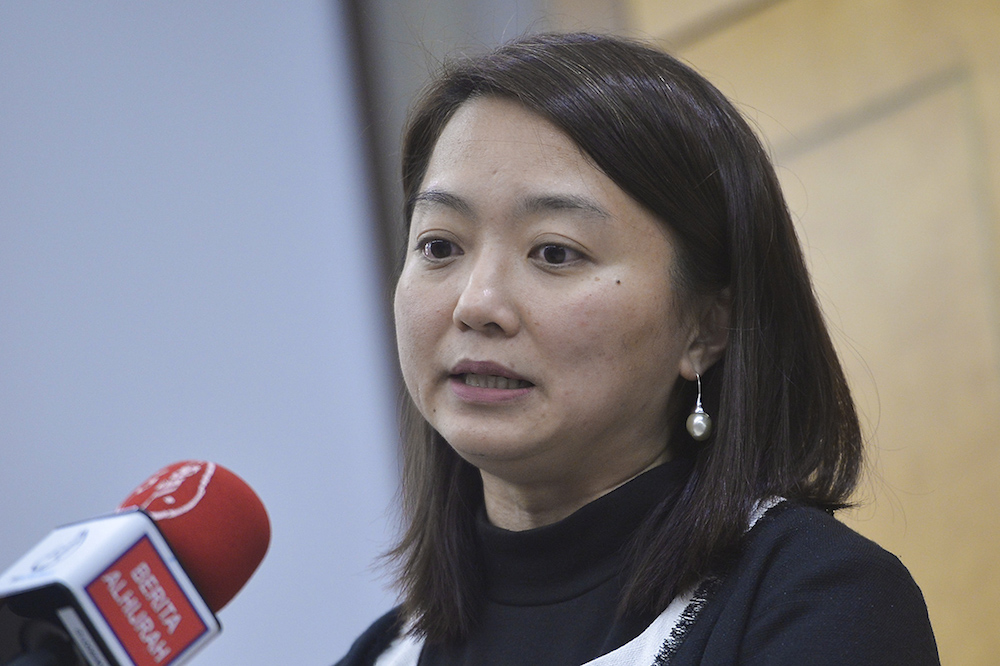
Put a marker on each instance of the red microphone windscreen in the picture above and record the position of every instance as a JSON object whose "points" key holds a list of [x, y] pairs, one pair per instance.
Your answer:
{"points": [[214, 522]]}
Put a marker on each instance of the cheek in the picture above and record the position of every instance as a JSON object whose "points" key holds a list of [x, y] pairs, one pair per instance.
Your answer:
{"points": [[422, 321], [410, 329], [577, 332], [612, 330]]}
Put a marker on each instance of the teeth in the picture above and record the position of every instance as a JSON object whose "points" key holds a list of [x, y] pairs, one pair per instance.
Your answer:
{"points": [[495, 382]]}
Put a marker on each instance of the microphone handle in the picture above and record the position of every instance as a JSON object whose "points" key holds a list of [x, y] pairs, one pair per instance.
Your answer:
{"points": [[40, 657], [52, 650]]}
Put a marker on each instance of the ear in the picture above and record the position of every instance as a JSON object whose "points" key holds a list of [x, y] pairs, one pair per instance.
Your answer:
{"points": [[709, 335]]}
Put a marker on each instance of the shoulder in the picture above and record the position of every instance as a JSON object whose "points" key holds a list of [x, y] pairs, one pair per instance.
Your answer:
{"points": [[794, 525], [805, 588], [796, 551], [793, 541], [374, 641]]}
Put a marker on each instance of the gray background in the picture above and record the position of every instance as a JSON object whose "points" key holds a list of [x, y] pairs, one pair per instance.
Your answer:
{"points": [[186, 271]]}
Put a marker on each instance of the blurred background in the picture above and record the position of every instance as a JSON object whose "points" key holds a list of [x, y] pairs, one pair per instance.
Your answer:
{"points": [[198, 217]]}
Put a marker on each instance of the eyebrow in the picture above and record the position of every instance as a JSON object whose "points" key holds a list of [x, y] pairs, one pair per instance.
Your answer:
{"points": [[570, 202], [446, 199], [529, 205]]}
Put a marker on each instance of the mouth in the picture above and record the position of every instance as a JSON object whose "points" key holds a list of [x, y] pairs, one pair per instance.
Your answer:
{"points": [[493, 381], [488, 375]]}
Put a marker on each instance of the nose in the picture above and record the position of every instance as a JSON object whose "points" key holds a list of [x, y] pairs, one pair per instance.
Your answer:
{"points": [[486, 303]]}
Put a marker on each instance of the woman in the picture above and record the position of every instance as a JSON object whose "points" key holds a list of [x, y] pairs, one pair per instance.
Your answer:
{"points": [[627, 428]]}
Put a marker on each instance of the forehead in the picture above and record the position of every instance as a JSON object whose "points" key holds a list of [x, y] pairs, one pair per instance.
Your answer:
{"points": [[493, 142]]}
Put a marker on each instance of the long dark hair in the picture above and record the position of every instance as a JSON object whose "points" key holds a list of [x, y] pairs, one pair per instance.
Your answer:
{"points": [[786, 423]]}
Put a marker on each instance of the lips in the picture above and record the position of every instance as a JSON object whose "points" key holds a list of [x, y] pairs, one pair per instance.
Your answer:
{"points": [[494, 381], [488, 375]]}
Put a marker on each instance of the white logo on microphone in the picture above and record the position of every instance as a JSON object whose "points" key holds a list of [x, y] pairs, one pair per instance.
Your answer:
{"points": [[61, 552], [164, 490]]}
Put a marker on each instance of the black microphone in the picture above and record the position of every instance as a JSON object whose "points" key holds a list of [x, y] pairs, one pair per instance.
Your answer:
{"points": [[139, 587]]}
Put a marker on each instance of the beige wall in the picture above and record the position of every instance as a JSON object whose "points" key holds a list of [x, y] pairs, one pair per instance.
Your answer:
{"points": [[884, 120]]}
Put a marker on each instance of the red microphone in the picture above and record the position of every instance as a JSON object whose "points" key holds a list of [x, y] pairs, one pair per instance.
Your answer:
{"points": [[213, 521], [139, 587]]}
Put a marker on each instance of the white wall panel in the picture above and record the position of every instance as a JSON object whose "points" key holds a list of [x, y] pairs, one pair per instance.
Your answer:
{"points": [[187, 270]]}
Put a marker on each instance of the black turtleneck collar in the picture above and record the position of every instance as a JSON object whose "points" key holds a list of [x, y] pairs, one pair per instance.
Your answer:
{"points": [[568, 558]]}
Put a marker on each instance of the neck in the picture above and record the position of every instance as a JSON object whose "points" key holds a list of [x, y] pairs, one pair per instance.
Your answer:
{"points": [[518, 507]]}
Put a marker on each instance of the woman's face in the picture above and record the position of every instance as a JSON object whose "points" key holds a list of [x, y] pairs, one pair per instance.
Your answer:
{"points": [[537, 324]]}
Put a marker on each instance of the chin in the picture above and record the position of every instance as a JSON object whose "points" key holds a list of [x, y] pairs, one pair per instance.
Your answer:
{"points": [[515, 463], [481, 452]]}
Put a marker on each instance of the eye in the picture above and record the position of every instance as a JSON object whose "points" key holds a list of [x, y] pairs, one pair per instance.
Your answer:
{"points": [[555, 255], [437, 249]]}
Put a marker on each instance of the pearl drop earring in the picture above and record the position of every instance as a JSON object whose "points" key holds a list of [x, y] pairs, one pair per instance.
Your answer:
{"points": [[699, 424]]}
